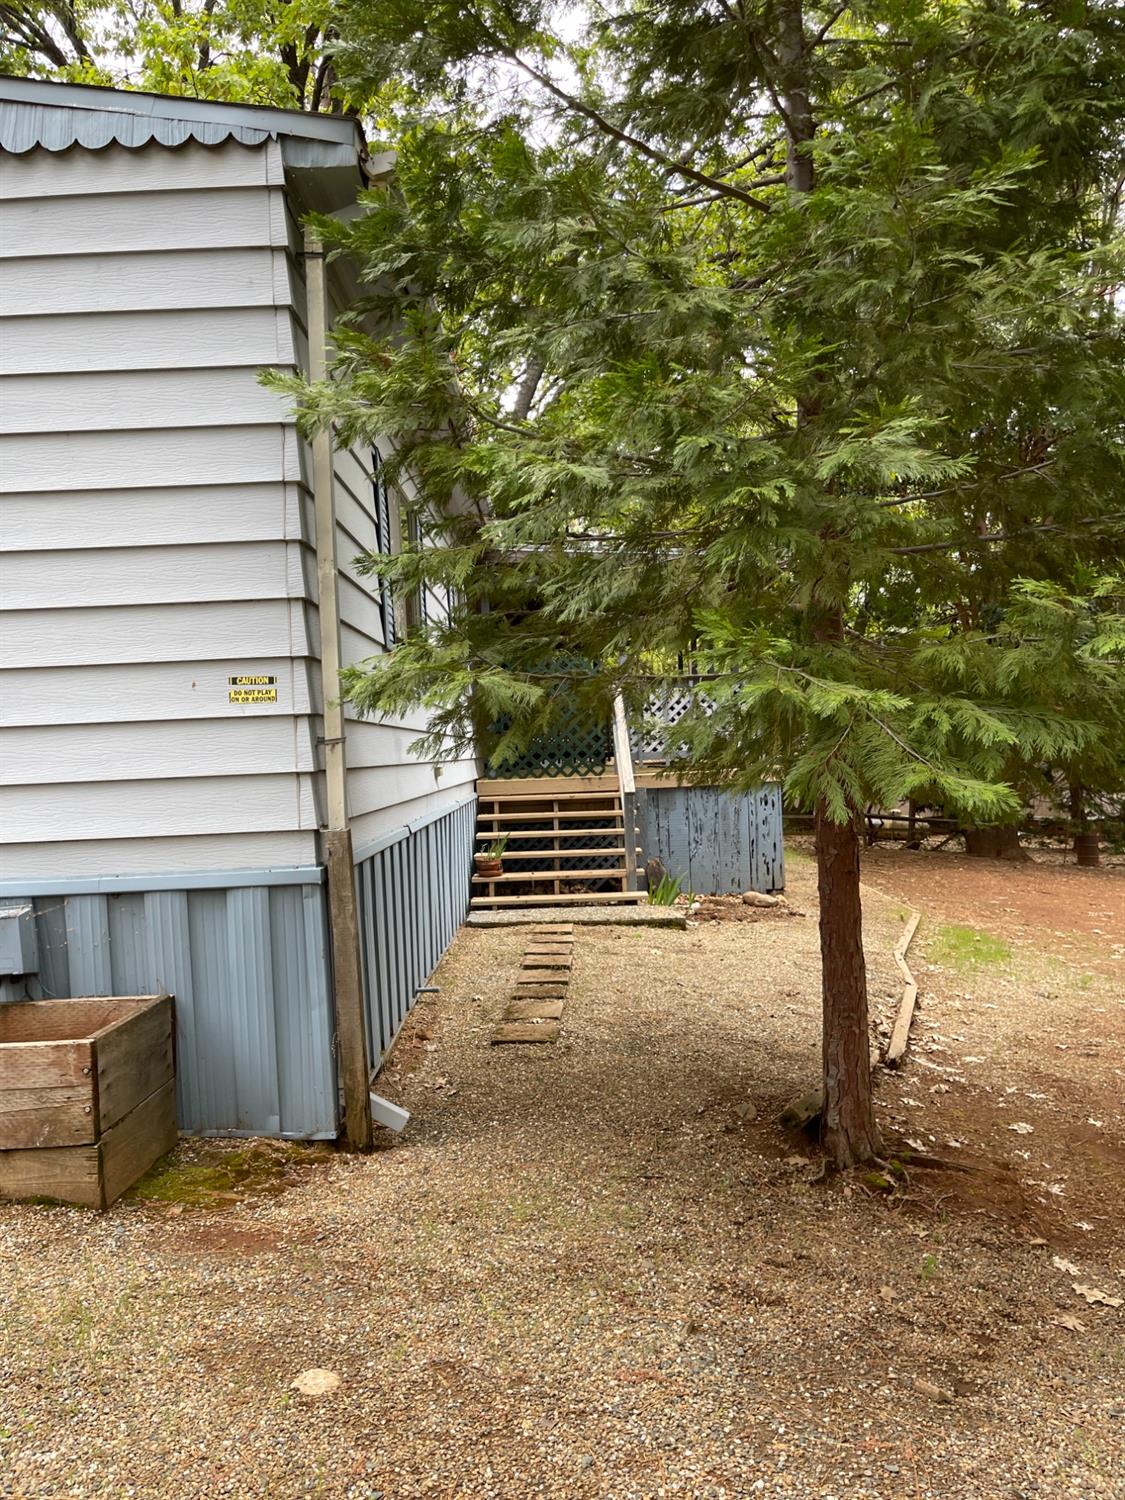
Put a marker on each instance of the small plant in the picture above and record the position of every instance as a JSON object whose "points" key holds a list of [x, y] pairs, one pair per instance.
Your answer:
{"points": [[488, 861], [929, 1267], [665, 892]]}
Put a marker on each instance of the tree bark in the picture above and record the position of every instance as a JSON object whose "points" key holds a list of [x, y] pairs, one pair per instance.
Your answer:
{"points": [[1084, 835], [848, 1123], [994, 843]]}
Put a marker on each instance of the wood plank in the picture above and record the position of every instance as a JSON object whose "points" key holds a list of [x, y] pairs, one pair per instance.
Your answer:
{"points": [[534, 1010], [529, 788], [71, 1174], [584, 898], [526, 1031], [46, 1094], [900, 1036], [610, 817], [135, 1142], [546, 961], [540, 992], [549, 875], [133, 1059]]}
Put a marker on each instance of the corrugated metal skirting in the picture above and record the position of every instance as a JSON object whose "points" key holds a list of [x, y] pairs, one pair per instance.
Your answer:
{"points": [[250, 971], [716, 842], [413, 896]]}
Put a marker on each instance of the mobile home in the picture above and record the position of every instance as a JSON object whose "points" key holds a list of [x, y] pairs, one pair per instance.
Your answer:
{"points": [[164, 802]]}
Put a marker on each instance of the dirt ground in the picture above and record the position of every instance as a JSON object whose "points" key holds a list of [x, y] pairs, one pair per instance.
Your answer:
{"points": [[601, 1270]]}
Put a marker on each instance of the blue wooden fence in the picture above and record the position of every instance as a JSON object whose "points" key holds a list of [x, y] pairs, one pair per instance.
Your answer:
{"points": [[713, 841]]}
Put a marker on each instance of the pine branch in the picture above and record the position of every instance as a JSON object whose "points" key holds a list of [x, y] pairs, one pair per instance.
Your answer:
{"points": [[624, 137], [988, 537]]}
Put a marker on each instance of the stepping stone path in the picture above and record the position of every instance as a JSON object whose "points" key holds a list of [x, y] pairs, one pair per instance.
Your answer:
{"points": [[536, 1006]]}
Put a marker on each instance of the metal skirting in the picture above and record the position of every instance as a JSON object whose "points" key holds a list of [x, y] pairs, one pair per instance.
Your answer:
{"points": [[413, 896], [713, 841], [249, 968]]}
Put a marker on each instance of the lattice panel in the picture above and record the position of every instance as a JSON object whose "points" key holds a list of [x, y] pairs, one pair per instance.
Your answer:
{"points": [[579, 746], [650, 739]]}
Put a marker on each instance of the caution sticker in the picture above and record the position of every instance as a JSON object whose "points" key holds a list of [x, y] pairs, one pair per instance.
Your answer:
{"points": [[251, 681], [253, 695]]}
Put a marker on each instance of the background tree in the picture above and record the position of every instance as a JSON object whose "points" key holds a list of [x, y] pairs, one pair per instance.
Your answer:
{"points": [[247, 51], [782, 337]]}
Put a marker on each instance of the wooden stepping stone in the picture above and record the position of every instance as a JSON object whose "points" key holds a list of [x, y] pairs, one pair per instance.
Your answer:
{"points": [[526, 1031], [554, 929], [540, 991], [546, 961], [534, 1010]]}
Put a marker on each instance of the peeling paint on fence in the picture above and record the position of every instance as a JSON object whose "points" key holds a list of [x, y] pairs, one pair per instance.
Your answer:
{"points": [[713, 841]]}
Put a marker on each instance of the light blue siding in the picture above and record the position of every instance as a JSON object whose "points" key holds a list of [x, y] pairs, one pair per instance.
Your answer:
{"points": [[249, 968]]}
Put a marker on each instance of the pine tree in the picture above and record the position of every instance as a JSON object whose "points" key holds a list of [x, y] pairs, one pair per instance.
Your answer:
{"points": [[783, 338]]}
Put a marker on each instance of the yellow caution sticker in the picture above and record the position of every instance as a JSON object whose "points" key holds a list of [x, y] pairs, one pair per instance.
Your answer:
{"points": [[253, 695], [251, 681]]}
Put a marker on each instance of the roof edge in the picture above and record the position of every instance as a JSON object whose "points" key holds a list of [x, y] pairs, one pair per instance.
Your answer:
{"points": [[340, 130]]}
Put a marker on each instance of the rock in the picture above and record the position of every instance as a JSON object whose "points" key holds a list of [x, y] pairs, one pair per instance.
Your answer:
{"points": [[316, 1382], [746, 1111], [803, 1112], [759, 898]]}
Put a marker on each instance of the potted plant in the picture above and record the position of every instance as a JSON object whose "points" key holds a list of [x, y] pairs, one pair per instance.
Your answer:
{"points": [[489, 862]]}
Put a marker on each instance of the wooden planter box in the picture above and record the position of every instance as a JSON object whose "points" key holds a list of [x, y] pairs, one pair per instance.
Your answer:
{"points": [[87, 1096]]}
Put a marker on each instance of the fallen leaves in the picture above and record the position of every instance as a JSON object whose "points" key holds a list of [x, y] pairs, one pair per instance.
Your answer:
{"points": [[1096, 1297], [1065, 1265], [1069, 1321], [1021, 1127]]}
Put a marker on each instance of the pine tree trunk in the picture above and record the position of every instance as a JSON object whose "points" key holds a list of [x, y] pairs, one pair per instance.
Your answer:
{"points": [[848, 1121], [1086, 850], [994, 843], [848, 1128]]}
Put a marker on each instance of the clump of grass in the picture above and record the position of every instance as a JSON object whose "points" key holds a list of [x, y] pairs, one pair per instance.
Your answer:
{"points": [[263, 1167], [958, 947]]}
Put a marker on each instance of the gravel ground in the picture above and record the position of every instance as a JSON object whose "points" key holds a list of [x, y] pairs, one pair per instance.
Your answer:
{"points": [[599, 1269]]}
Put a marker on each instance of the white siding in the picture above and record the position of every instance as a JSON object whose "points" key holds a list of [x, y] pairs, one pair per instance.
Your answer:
{"points": [[156, 529], [387, 785]]}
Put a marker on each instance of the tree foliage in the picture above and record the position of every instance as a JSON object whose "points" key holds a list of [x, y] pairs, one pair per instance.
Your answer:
{"points": [[822, 445], [275, 52]]}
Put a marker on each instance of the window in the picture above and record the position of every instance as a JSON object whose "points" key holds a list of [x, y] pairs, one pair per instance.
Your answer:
{"points": [[383, 544]]}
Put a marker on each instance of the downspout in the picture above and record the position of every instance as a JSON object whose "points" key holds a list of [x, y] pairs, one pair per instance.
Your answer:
{"points": [[343, 911]]}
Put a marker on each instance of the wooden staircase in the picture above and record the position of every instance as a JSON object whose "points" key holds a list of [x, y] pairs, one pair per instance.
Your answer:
{"points": [[566, 842]]}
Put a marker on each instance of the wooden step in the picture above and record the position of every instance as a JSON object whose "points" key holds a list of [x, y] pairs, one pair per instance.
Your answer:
{"points": [[548, 815], [588, 898], [555, 833], [508, 798], [541, 875], [560, 854]]}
